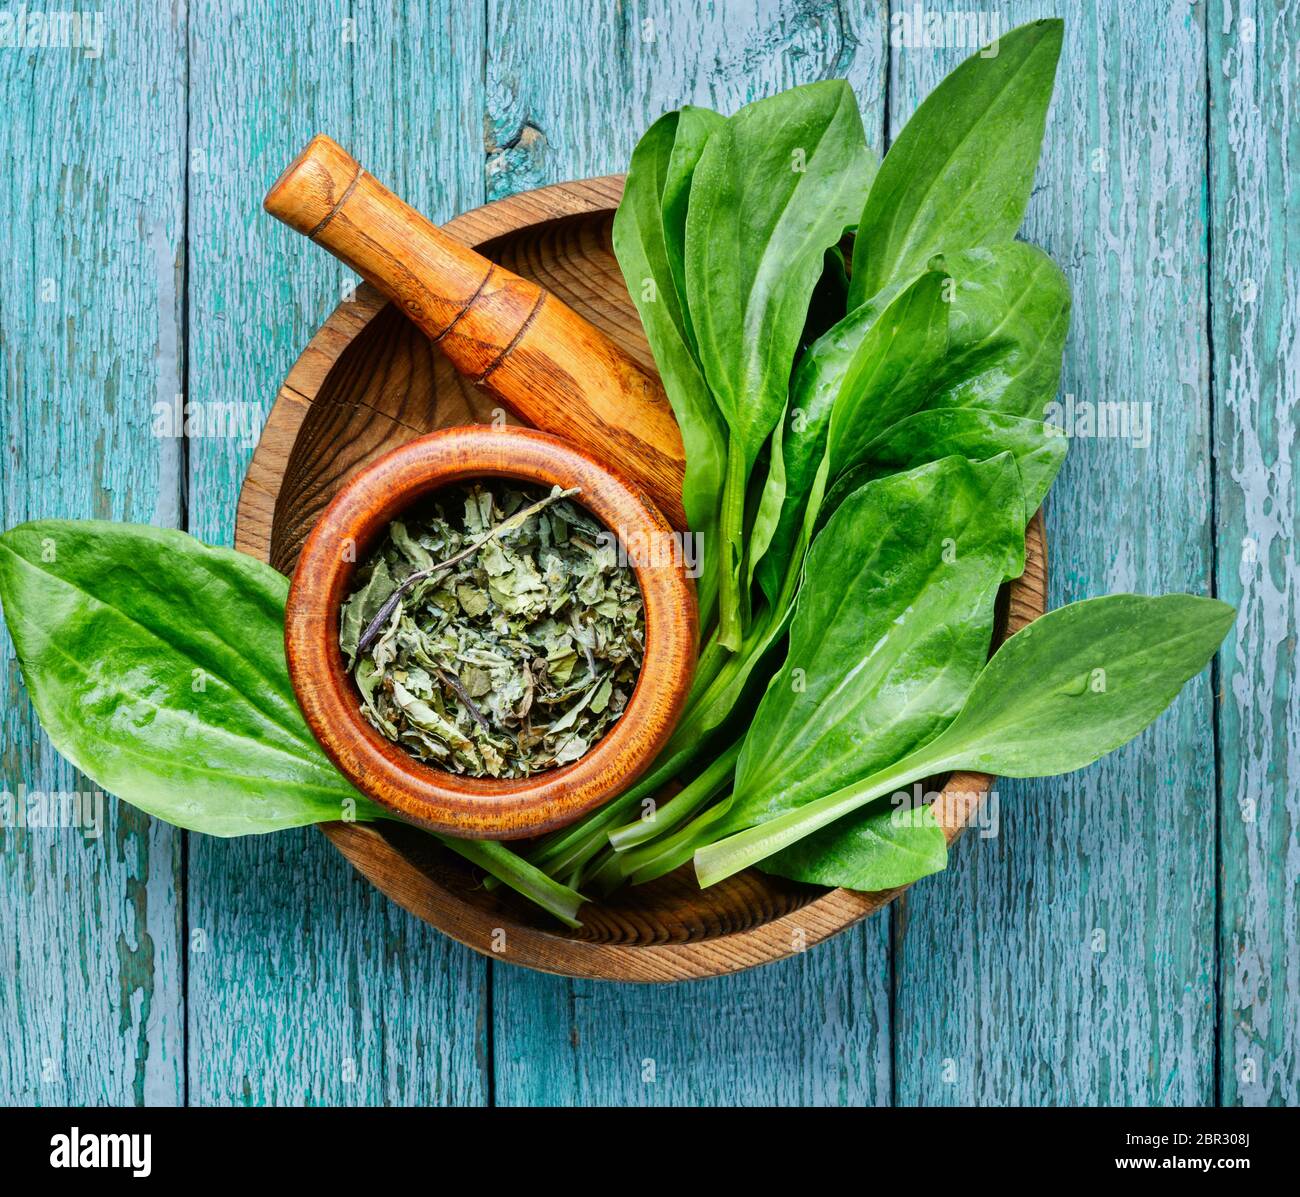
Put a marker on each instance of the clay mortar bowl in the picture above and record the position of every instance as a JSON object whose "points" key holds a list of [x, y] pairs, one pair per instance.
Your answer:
{"points": [[341, 541]]}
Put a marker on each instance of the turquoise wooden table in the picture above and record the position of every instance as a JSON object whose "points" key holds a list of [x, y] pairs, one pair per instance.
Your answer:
{"points": [[1130, 935]]}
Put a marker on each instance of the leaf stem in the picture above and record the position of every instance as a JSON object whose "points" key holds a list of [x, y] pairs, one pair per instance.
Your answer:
{"points": [[713, 657], [574, 845], [717, 861], [605, 874], [731, 526], [513, 870], [682, 805], [654, 860]]}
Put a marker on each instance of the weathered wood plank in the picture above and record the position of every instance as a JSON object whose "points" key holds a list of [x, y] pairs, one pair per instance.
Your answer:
{"points": [[1071, 959], [93, 196], [1078, 943], [306, 986], [812, 1030], [570, 88], [1255, 248]]}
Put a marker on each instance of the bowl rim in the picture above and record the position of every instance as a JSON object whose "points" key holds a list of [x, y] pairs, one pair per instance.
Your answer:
{"points": [[453, 804]]}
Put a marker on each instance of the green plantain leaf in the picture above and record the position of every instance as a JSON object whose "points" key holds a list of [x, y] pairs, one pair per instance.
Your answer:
{"points": [[891, 371], [156, 665], [981, 329], [872, 367], [1081, 681], [694, 128], [966, 432], [1061, 693], [960, 172], [891, 628], [643, 253], [879, 847], [774, 188], [1007, 324]]}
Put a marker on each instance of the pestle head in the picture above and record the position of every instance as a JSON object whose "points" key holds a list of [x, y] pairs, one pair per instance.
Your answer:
{"points": [[313, 186]]}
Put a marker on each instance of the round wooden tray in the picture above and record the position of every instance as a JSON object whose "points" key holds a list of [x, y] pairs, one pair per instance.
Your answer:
{"points": [[369, 381]]}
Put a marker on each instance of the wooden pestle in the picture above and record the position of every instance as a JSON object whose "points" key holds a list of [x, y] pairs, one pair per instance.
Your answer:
{"points": [[547, 364]]}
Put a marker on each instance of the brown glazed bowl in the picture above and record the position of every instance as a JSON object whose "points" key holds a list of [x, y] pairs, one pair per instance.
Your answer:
{"points": [[486, 808]]}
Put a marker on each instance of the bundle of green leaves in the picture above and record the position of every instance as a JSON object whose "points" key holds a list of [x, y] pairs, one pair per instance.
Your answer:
{"points": [[859, 358], [859, 355]]}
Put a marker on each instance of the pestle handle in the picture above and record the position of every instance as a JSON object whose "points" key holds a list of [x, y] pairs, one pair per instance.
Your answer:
{"points": [[548, 365]]}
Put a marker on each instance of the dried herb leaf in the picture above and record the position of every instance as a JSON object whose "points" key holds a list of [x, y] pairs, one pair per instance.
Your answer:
{"points": [[495, 631]]}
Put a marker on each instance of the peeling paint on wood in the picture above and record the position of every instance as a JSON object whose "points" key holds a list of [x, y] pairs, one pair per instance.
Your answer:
{"points": [[1255, 239], [90, 976]]}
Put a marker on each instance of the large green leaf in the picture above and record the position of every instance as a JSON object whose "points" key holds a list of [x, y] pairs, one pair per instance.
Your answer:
{"points": [[874, 366], [694, 128], [891, 371], [882, 846], [960, 172], [775, 187], [1061, 693], [891, 628], [1007, 324], [966, 432], [957, 183], [156, 665], [643, 252], [981, 329], [1082, 681]]}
